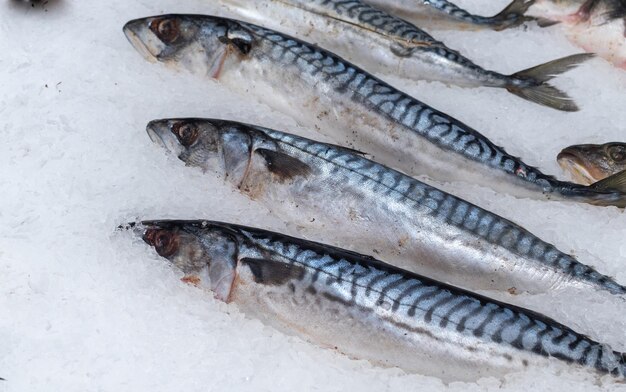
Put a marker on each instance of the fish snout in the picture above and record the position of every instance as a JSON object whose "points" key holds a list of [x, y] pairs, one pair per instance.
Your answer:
{"points": [[143, 40], [160, 132], [575, 154]]}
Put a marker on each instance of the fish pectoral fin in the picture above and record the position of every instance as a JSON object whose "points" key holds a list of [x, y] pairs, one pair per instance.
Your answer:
{"points": [[272, 272], [616, 181], [282, 165], [240, 39]]}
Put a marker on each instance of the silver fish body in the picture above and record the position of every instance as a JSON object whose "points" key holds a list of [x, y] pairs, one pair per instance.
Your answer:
{"points": [[367, 309], [443, 14], [322, 91], [338, 192], [384, 43]]}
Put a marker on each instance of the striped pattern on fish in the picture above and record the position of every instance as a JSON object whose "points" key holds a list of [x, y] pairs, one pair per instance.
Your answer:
{"points": [[443, 14], [397, 47], [414, 225], [280, 272], [454, 211], [402, 130]]}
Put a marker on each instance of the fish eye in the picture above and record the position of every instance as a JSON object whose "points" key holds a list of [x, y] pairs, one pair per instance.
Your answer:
{"points": [[186, 133], [166, 29], [165, 243], [617, 153]]}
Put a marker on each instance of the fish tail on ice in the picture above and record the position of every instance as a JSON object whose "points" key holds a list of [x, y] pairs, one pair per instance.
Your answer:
{"points": [[513, 15], [532, 84]]}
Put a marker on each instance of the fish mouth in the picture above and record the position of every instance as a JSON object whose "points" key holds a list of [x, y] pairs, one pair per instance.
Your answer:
{"points": [[143, 229], [138, 34], [160, 134], [573, 163]]}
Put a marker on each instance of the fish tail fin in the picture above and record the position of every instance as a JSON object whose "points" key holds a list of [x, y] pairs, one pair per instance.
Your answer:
{"points": [[513, 15], [534, 84]]}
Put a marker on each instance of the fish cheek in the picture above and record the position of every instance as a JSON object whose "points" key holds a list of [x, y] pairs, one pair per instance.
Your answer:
{"points": [[236, 150]]}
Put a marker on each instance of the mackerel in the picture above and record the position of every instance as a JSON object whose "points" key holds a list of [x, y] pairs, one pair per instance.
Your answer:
{"points": [[385, 44], [416, 226], [323, 91], [367, 309], [443, 14]]}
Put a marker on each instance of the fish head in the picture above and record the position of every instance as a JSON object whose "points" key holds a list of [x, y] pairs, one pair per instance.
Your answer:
{"points": [[217, 146], [589, 163], [204, 251], [199, 43]]}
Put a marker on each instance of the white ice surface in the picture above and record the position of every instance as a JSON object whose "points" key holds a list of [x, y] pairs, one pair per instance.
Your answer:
{"points": [[85, 308]]}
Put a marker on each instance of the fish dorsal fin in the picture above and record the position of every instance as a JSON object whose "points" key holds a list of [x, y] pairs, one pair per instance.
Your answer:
{"points": [[616, 181], [282, 165], [273, 272]]}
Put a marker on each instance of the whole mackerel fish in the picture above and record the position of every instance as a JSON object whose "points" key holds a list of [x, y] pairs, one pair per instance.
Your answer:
{"points": [[367, 309], [397, 47], [409, 223], [320, 90], [443, 14]]}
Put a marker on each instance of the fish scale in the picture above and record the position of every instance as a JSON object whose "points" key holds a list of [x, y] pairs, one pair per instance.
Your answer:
{"points": [[423, 121], [458, 12], [400, 29], [401, 303], [452, 210], [322, 90], [414, 115], [443, 14], [399, 48], [413, 224]]}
